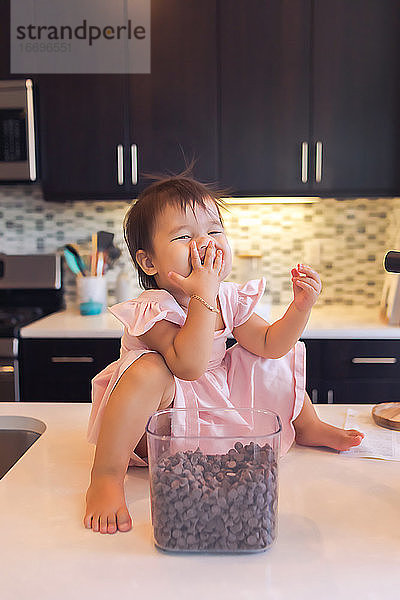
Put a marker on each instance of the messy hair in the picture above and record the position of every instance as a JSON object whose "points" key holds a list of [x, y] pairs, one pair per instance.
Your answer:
{"points": [[140, 220]]}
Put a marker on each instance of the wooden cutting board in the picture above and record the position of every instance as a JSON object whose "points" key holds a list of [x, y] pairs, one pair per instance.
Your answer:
{"points": [[387, 415]]}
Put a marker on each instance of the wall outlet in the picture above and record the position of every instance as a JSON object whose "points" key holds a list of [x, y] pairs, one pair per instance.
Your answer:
{"points": [[312, 252]]}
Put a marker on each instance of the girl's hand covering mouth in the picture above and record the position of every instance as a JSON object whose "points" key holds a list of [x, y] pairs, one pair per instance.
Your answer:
{"points": [[204, 277]]}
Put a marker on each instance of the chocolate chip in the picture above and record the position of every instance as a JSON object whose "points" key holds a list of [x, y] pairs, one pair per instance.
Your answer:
{"points": [[216, 502]]}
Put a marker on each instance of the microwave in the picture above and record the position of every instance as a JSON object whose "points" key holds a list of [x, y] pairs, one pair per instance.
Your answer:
{"points": [[17, 131]]}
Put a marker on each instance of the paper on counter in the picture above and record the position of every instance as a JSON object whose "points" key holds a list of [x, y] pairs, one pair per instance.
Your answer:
{"points": [[378, 442]]}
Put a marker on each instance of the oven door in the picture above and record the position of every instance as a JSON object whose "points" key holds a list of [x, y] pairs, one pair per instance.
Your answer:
{"points": [[9, 380]]}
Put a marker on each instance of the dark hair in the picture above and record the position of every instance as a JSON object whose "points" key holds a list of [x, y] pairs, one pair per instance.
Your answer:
{"points": [[140, 220]]}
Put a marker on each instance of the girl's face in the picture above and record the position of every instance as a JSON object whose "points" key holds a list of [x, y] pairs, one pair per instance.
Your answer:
{"points": [[174, 231]]}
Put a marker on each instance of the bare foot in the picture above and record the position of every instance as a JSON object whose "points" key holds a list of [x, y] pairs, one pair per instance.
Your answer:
{"points": [[106, 509], [322, 434]]}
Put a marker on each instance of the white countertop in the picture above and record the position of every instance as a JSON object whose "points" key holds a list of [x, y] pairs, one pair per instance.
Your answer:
{"points": [[326, 322], [338, 532]]}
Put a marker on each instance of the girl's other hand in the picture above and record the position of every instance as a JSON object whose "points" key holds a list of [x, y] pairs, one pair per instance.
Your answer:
{"points": [[306, 287], [204, 278]]}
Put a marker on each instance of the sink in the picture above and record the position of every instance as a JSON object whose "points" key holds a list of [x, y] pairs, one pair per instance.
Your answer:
{"points": [[17, 434]]}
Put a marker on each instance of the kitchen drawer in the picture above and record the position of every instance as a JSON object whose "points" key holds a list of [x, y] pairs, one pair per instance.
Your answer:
{"points": [[60, 370], [360, 359]]}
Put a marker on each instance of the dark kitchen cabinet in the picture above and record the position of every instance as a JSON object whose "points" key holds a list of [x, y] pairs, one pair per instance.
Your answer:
{"points": [[265, 94], [82, 136], [173, 111], [4, 39], [5, 66], [310, 97], [313, 369], [102, 134], [356, 96], [61, 370], [353, 371]]}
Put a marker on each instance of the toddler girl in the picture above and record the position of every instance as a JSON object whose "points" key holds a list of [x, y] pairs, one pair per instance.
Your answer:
{"points": [[173, 350]]}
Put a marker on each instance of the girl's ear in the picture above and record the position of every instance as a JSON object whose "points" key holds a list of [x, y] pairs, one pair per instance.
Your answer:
{"points": [[145, 263]]}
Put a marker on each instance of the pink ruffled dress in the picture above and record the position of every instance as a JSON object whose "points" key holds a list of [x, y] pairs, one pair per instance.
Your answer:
{"points": [[234, 378]]}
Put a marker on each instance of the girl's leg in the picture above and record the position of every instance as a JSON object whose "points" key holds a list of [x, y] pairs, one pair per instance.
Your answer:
{"points": [[146, 386], [311, 431]]}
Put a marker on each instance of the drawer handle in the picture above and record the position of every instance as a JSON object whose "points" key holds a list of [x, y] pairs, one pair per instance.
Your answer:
{"points": [[330, 397], [374, 361], [72, 359], [314, 396], [7, 369]]}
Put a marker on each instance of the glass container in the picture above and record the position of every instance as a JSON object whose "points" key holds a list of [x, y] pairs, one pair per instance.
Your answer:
{"points": [[214, 479]]}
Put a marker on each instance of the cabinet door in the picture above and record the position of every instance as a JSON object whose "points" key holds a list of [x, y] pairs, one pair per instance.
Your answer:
{"points": [[82, 122], [356, 64], [360, 359], [360, 391], [265, 62], [313, 370], [173, 110], [5, 39], [61, 370]]}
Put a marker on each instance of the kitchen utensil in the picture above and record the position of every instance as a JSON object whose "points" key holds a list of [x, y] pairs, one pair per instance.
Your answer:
{"points": [[387, 415], [221, 467], [79, 260], [104, 240], [100, 263], [72, 262], [93, 261]]}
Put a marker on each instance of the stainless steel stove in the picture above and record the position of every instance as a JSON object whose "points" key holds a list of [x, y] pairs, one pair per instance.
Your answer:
{"points": [[30, 288]]}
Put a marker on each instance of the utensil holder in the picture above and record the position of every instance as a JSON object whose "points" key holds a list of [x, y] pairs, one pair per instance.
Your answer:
{"points": [[92, 295]]}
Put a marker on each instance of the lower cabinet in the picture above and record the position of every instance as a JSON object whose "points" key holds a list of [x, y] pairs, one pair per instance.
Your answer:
{"points": [[338, 371], [61, 370], [362, 371]]}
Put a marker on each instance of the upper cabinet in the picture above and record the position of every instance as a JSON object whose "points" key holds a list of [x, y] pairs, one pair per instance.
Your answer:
{"points": [[173, 111], [267, 97], [310, 97], [102, 135], [82, 136], [265, 51], [356, 96]]}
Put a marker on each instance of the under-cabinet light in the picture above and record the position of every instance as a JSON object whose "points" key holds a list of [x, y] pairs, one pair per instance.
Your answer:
{"points": [[273, 200]]}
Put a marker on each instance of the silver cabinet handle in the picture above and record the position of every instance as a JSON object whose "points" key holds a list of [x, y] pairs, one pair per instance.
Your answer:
{"points": [[374, 361], [120, 164], [72, 359], [31, 130], [304, 162], [134, 172], [318, 162], [314, 396], [330, 396]]}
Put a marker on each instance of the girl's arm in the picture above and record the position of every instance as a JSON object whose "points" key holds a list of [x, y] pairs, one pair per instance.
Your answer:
{"points": [[275, 340], [187, 349]]}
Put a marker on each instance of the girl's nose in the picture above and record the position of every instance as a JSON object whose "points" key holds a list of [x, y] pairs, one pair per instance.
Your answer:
{"points": [[202, 244]]}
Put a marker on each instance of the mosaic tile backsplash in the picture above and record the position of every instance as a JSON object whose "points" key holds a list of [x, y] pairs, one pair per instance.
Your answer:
{"points": [[344, 240]]}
